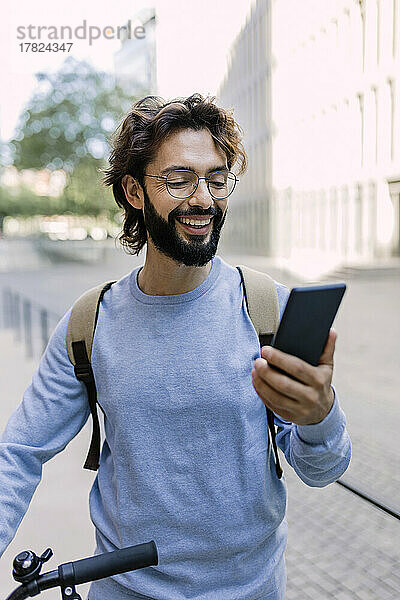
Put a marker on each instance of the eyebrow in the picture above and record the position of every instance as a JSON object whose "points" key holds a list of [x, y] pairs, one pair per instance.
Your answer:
{"points": [[189, 168]]}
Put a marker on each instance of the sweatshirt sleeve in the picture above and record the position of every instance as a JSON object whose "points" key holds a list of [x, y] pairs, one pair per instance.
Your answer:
{"points": [[53, 410], [319, 453]]}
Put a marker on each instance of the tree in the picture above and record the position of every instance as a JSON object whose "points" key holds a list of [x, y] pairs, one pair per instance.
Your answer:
{"points": [[22, 202], [69, 118], [66, 125], [85, 194]]}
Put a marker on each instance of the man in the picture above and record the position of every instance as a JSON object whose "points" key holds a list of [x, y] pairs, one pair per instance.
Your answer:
{"points": [[179, 377]]}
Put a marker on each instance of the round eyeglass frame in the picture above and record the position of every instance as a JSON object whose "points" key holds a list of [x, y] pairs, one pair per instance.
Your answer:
{"points": [[207, 180]]}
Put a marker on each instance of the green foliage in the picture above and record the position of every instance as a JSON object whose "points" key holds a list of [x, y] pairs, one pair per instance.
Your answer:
{"points": [[69, 118], [66, 125], [23, 202], [85, 194]]}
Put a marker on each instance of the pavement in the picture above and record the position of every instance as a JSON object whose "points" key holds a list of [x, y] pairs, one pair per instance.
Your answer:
{"points": [[340, 546]]}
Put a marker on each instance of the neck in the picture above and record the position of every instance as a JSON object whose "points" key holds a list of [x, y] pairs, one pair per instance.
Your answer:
{"points": [[162, 276]]}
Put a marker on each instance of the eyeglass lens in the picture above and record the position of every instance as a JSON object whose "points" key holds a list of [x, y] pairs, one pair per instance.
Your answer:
{"points": [[182, 184]]}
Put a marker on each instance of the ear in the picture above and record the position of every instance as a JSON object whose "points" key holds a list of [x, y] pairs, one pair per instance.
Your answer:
{"points": [[133, 191]]}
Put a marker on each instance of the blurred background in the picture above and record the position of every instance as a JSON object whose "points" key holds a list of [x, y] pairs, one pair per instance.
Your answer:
{"points": [[315, 86]]}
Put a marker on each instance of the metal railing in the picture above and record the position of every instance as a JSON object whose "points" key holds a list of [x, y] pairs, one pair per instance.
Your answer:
{"points": [[31, 322]]}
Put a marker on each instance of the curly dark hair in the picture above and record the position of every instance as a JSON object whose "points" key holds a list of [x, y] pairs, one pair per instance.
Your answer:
{"points": [[141, 133]]}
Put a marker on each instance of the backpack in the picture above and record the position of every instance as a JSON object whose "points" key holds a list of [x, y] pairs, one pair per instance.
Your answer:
{"points": [[262, 306]]}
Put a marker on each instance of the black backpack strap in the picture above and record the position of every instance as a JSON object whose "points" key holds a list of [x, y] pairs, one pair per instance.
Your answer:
{"points": [[80, 333], [265, 319], [271, 427], [84, 372]]}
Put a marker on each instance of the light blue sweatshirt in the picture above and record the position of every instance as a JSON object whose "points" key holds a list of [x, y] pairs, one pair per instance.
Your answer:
{"points": [[186, 460]]}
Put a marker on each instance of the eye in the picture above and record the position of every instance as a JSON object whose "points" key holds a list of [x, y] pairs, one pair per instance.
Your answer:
{"points": [[218, 180], [179, 184], [181, 179], [217, 184]]}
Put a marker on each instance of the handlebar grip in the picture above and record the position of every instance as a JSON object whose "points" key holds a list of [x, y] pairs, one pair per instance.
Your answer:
{"points": [[108, 564]]}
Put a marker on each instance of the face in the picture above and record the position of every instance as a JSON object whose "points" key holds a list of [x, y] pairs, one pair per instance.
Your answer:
{"points": [[163, 214]]}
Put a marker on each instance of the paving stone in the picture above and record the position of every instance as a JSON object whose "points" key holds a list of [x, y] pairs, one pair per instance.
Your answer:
{"points": [[364, 594], [392, 579], [292, 594], [344, 595]]}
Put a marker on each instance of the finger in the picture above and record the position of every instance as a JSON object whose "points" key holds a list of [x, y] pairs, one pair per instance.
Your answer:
{"points": [[280, 382], [281, 405], [292, 365], [329, 349]]}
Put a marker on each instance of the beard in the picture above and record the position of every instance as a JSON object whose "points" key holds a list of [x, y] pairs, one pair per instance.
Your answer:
{"points": [[193, 251]]}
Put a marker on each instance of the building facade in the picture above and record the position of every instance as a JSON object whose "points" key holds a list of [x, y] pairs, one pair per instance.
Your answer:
{"points": [[135, 61], [333, 121], [247, 89]]}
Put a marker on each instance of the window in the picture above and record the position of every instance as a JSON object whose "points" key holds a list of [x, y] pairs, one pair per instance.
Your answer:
{"points": [[333, 219], [375, 92], [361, 127], [378, 25], [363, 35], [358, 218], [372, 216], [392, 117], [345, 221]]}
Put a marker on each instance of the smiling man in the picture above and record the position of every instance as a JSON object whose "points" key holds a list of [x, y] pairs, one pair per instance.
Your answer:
{"points": [[181, 237], [183, 388]]}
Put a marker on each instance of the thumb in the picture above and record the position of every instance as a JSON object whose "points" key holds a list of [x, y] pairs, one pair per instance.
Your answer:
{"points": [[327, 354]]}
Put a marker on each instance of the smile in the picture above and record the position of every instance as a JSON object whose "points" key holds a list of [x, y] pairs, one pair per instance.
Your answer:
{"points": [[195, 225]]}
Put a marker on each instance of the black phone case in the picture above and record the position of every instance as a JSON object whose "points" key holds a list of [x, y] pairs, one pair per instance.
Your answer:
{"points": [[307, 319]]}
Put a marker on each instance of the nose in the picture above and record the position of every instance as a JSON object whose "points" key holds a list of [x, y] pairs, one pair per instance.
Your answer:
{"points": [[201, 196]]}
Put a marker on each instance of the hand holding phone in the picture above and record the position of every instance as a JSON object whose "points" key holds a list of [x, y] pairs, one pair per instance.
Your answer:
{"points": [[298, 392], [309, 313]]}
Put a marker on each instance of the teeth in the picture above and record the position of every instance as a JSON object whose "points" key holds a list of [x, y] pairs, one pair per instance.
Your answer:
{"points": [[194, 222]]}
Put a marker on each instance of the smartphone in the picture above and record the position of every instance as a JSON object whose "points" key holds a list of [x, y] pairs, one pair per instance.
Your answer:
{"points": [[309, 313]]}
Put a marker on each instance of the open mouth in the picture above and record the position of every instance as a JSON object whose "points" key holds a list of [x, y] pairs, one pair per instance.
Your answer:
{"points": [[196, 226]]}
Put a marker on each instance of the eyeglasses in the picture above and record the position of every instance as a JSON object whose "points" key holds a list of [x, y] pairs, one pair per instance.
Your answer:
{"points": [[182, 183]]}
